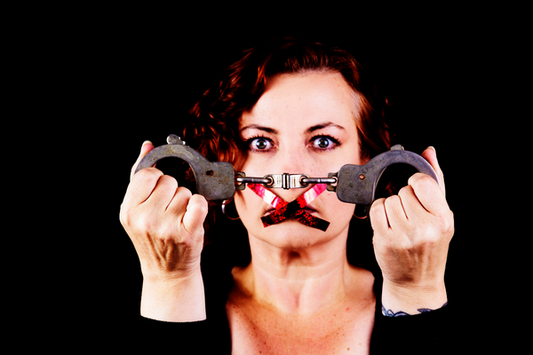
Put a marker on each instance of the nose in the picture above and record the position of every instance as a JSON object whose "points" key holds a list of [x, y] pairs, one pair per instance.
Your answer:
{"points": [[293, 163]]}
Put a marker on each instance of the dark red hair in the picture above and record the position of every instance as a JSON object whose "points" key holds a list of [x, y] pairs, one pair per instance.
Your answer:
{"points": [[214, 126]]}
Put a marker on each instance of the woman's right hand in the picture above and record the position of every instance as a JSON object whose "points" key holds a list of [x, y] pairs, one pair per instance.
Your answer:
{"points": [[165, 224]]}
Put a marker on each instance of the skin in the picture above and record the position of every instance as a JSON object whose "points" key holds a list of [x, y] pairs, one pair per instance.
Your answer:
{"points": [[289, 116], [299, 276]]}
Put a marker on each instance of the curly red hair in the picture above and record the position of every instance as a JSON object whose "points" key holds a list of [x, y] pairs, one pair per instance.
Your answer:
{"points": [[214, 126]]}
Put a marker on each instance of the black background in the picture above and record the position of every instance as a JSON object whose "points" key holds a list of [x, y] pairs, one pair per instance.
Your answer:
{"points": [[121, 76]]}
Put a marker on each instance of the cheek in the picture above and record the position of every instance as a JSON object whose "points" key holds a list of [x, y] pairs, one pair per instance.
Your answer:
{"points": [[334, 211], [259, 165], [250, 208]]}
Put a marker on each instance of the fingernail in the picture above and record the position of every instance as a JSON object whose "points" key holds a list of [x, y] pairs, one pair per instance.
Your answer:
{"points": [[144, 144], [435, 150]]}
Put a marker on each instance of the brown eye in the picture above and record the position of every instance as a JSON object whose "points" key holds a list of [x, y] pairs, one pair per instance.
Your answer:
{"points": [[324, 142], [260, 143]]}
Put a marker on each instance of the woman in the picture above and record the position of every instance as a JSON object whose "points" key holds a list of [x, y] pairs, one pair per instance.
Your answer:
{"points": [[292, 106]]}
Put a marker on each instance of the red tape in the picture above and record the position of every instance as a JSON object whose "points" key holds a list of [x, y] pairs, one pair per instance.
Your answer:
{"points": [[294, 209]]}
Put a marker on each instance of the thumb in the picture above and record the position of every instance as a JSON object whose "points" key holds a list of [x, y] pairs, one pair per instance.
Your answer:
{"points": [[146, 147], [430, 154]]}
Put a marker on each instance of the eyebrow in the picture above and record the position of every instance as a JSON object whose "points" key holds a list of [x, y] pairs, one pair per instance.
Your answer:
{"points": [[261, 128], [323, 125], [307, 131]]}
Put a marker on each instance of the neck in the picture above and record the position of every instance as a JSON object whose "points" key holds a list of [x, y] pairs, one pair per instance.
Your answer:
{"points": [[298, 281]]}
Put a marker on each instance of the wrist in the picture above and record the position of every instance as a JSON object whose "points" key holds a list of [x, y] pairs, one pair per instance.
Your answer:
{"points": [[412, 299], [174, 299]]}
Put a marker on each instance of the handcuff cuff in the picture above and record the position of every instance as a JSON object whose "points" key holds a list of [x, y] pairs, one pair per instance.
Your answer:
{"points": [[218, 181]]}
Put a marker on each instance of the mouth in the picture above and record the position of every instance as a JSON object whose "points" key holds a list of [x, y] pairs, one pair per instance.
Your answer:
{"points": [[310, 209], [269, 211]]}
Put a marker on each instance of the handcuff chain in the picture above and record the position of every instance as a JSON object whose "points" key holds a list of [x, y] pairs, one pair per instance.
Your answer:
{"points": [[284, 181]]}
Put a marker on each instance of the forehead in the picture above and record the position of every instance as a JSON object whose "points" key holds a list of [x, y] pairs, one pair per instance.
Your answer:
{"points": [[304, 98]]}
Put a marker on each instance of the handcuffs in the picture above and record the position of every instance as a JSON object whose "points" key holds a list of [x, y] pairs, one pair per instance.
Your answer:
{"points": [[218, 181]]}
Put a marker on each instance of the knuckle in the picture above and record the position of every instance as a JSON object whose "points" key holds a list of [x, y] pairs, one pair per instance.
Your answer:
{"points": [[138, 220], [201, 203], [150, 172], [376, 211], [376, 204], [168, 182], [447, 223], [148, 224], [405, 190], [379, 201], [435, 232], [123, 215], [126, 216], [392, 201], [139, 223], [203, 210], [123, 218], [181, 199], [147, 175], [200, 210], [184, 193], [422, 181]]}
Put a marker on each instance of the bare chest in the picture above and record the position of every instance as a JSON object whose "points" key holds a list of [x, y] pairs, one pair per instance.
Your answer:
{"points": [[346, 330]]}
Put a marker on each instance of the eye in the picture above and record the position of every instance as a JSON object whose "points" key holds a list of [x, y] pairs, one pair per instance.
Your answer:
{"points": [[324, 142], [260, 144]]}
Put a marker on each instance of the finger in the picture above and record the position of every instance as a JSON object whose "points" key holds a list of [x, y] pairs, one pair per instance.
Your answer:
{"points": [[145, 148], [378, 217], [178, 204], [429, 193], [193, 220], [163, 193], [141, 186], [395, 212], [430, 154], [411, 205]]}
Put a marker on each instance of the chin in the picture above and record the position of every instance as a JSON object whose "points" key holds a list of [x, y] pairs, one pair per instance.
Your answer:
{"points": [[291, 234]]}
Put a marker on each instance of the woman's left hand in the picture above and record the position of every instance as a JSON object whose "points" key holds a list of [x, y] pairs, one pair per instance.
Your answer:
{"points": [[412, 232]]}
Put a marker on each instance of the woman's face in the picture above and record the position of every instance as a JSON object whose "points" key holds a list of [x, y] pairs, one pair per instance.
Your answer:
{"points": [[302, 124]]}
